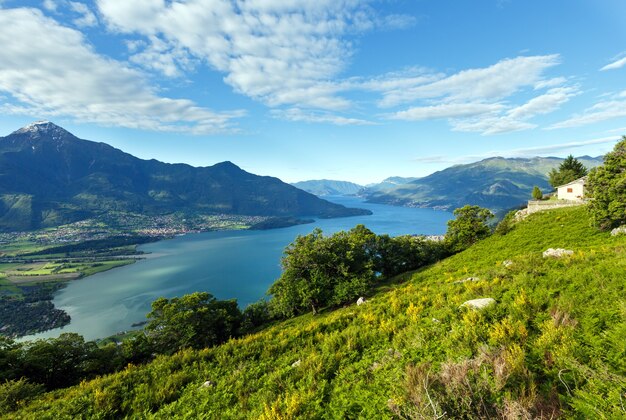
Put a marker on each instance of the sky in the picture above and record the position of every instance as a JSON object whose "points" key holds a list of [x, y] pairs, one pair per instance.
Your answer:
{"points": [[326, 89]]}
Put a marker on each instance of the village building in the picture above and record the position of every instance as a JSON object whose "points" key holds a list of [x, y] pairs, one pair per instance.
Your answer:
{"points": [[573, 191]]}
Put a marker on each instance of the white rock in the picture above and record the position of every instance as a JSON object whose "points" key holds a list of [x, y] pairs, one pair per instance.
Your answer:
{"points": [[478, 303], [360, 301], [467, 279], [619, 231], [557, 252], [507, 263], [296, 363], [207, 384]]}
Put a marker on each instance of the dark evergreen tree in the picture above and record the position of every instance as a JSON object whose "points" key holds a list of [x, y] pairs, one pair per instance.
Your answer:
{"points": [[569, 170]]}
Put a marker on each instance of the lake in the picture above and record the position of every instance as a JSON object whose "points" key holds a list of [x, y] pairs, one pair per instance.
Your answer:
{"points": [[227, 264]]}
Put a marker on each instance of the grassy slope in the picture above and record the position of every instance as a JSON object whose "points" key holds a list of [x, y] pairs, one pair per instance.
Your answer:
{"points": [[553, 344]]}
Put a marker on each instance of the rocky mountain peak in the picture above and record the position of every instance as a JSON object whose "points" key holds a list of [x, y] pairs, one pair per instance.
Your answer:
{"points": [[40, 129]]}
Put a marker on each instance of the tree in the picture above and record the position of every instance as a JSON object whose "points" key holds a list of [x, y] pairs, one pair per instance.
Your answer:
{"points": [[569, 170], [197, 320], [468, 227], [606, 186], [537, 194], [404, 253], [56, 362], [319, 271]]}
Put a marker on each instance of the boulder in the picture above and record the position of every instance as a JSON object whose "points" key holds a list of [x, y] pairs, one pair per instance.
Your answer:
{"points": [[557, 252], [207, 384], [619, 231], [507, 263], [296, 363], [467, 279], [478, 303], [360, 301]]}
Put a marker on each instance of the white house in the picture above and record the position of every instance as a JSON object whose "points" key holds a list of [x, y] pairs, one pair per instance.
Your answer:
{"points": [[574, 190]]}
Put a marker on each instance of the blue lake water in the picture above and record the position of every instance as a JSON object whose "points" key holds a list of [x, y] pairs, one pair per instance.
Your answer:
{"points": [[227, 264]]}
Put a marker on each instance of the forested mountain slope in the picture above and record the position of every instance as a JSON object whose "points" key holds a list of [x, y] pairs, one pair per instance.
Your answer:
{"points": [[50, 177]]}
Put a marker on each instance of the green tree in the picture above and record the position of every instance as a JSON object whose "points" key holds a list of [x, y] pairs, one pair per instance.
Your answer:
{"points": [[197, 320], [404, 253], [468, 227], [606, 186], [569, 170], [255, 315], [506, 224], [537, 194], [319, 271], [56, 362]]}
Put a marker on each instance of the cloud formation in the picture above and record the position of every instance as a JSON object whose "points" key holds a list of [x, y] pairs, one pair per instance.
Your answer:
{"points": [[51, 70], [475, 100], [297, 114], [612, 107], [276, 52], [617, 64]]}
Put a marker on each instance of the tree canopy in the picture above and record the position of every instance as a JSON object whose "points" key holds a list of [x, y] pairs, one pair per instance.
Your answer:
{"points": [[196, 320], [469, 226], [606, 186], [320, 270], [569, 170]]}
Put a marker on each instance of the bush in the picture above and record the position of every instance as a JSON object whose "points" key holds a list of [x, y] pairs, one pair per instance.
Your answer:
{"points": [[506, 224], [537, 194], [14, 394]]}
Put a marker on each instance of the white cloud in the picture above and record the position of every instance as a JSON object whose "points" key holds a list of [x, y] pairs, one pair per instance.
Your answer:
{"points": [[491, 125], [283, 52], [617, 64], [454, 110], [543, 104], [87, 18], [50, 70], [495, 82], [474, 100], [50, 5], [298, 115], [601, 111]]}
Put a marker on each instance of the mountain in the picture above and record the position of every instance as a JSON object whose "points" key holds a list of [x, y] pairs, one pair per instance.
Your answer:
{"points": [[321, 187], [496, 183], [388, 183], [49, 177]]}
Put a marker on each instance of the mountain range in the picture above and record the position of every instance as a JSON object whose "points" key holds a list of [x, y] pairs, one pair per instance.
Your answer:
{"points": [[322, 187], [49, 177], [496, 183]]}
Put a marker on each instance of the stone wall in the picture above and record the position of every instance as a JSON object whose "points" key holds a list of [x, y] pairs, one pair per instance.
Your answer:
{"points": [[539, 205]]}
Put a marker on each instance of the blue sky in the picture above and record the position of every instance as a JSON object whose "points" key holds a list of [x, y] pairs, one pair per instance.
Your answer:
{"points": [[339, 89]]}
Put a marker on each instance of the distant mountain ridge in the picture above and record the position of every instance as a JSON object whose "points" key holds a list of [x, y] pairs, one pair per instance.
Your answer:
{"points": [[49, 177], [496, 183], [322, 187]]}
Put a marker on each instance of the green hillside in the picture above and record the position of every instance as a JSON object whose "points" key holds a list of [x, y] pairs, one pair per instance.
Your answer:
{"points": [[496, 183], [551, 346]]}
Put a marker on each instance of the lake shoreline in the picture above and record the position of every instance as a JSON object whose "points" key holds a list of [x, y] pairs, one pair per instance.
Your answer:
{"points": [[229, 264]]}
